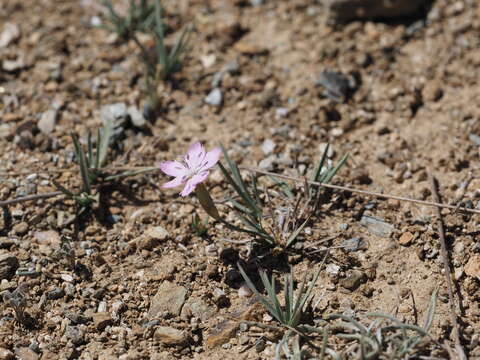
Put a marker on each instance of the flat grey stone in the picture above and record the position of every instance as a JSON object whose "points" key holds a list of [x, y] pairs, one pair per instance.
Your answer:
{"points": [[376, 226], [168, 300]]}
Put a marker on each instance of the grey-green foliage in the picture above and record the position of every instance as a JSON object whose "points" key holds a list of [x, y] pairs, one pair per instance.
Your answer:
{"points": [[167, 61], [386, 337], [139, 17], [290, 314], [251, 209], [92, 164]]}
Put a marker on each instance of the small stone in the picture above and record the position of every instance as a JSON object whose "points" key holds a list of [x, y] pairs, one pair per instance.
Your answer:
{"points": [[281, 112], [101, 320], [472, 268], [474, 138], [208, 60], [244, 291], [215, 98], [354, 244], [267, 163], [8, 265], [333, 270], [406, 238], [268, 146], [169, 299], [116, 116], [353, 280], [6, 354], [75, 334], [13, 65], [49, 237], [46, 124], [25, 353], [10, 33], [157, 232], [55, 294], [21, 228], [136, 117], [66, 277], [152, 237], [170, 336], [376, 226], [198, 308]]}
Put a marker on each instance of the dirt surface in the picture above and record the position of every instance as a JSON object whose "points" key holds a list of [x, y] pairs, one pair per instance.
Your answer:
{"points": [[138, 269]]}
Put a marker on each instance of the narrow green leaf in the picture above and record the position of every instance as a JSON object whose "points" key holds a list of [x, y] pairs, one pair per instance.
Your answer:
{"points": [[131, 173], [83, 164], [321, 164], [329, 176], [292, 239], [63, 189]]}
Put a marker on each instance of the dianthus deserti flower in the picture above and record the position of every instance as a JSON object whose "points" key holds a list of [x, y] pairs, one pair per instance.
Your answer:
{"points": [[193, 170]]}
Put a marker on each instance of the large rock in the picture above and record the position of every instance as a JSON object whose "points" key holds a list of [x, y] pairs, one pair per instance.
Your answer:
{"points": [[168, 300], [347, 10]]}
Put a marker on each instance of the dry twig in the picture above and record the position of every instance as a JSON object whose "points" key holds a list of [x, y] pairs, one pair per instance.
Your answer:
{"points": [[448, 274], [364, 192]]}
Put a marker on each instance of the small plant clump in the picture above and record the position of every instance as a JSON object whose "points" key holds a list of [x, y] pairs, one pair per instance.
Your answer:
{"points": [[160, 61], [251, 202]]}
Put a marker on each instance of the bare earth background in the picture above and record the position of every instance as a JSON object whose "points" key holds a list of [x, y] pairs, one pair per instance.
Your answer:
{"points": [[414, 107]]}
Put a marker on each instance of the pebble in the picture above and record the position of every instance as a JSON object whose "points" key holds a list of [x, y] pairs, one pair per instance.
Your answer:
{"points": [[333, 270], [8, 265], [170, 336], [13, 65], [353, 280], [49, 237], [10, 33], [474, 138], [169, 299], [268, 146], [101, 320], [75, 334], [354, 244], [336, 85], [267, 163], [406, 238], [55, 294], [6, 354], [20, 228], [377, 226], [25, 353], [136, 117], [152, 237], [47, 122], [197, 308], [472, 268], [281, 112], [244, 291], [214, 98], [115, 115]]}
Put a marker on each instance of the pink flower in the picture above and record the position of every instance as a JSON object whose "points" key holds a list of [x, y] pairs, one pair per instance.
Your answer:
{"points": [[193, 170]]}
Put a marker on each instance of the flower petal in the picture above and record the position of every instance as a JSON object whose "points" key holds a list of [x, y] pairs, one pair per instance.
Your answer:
{"points": [[173, 168], [174, 183], [211, 158], [193, 182], [195, 155]]}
